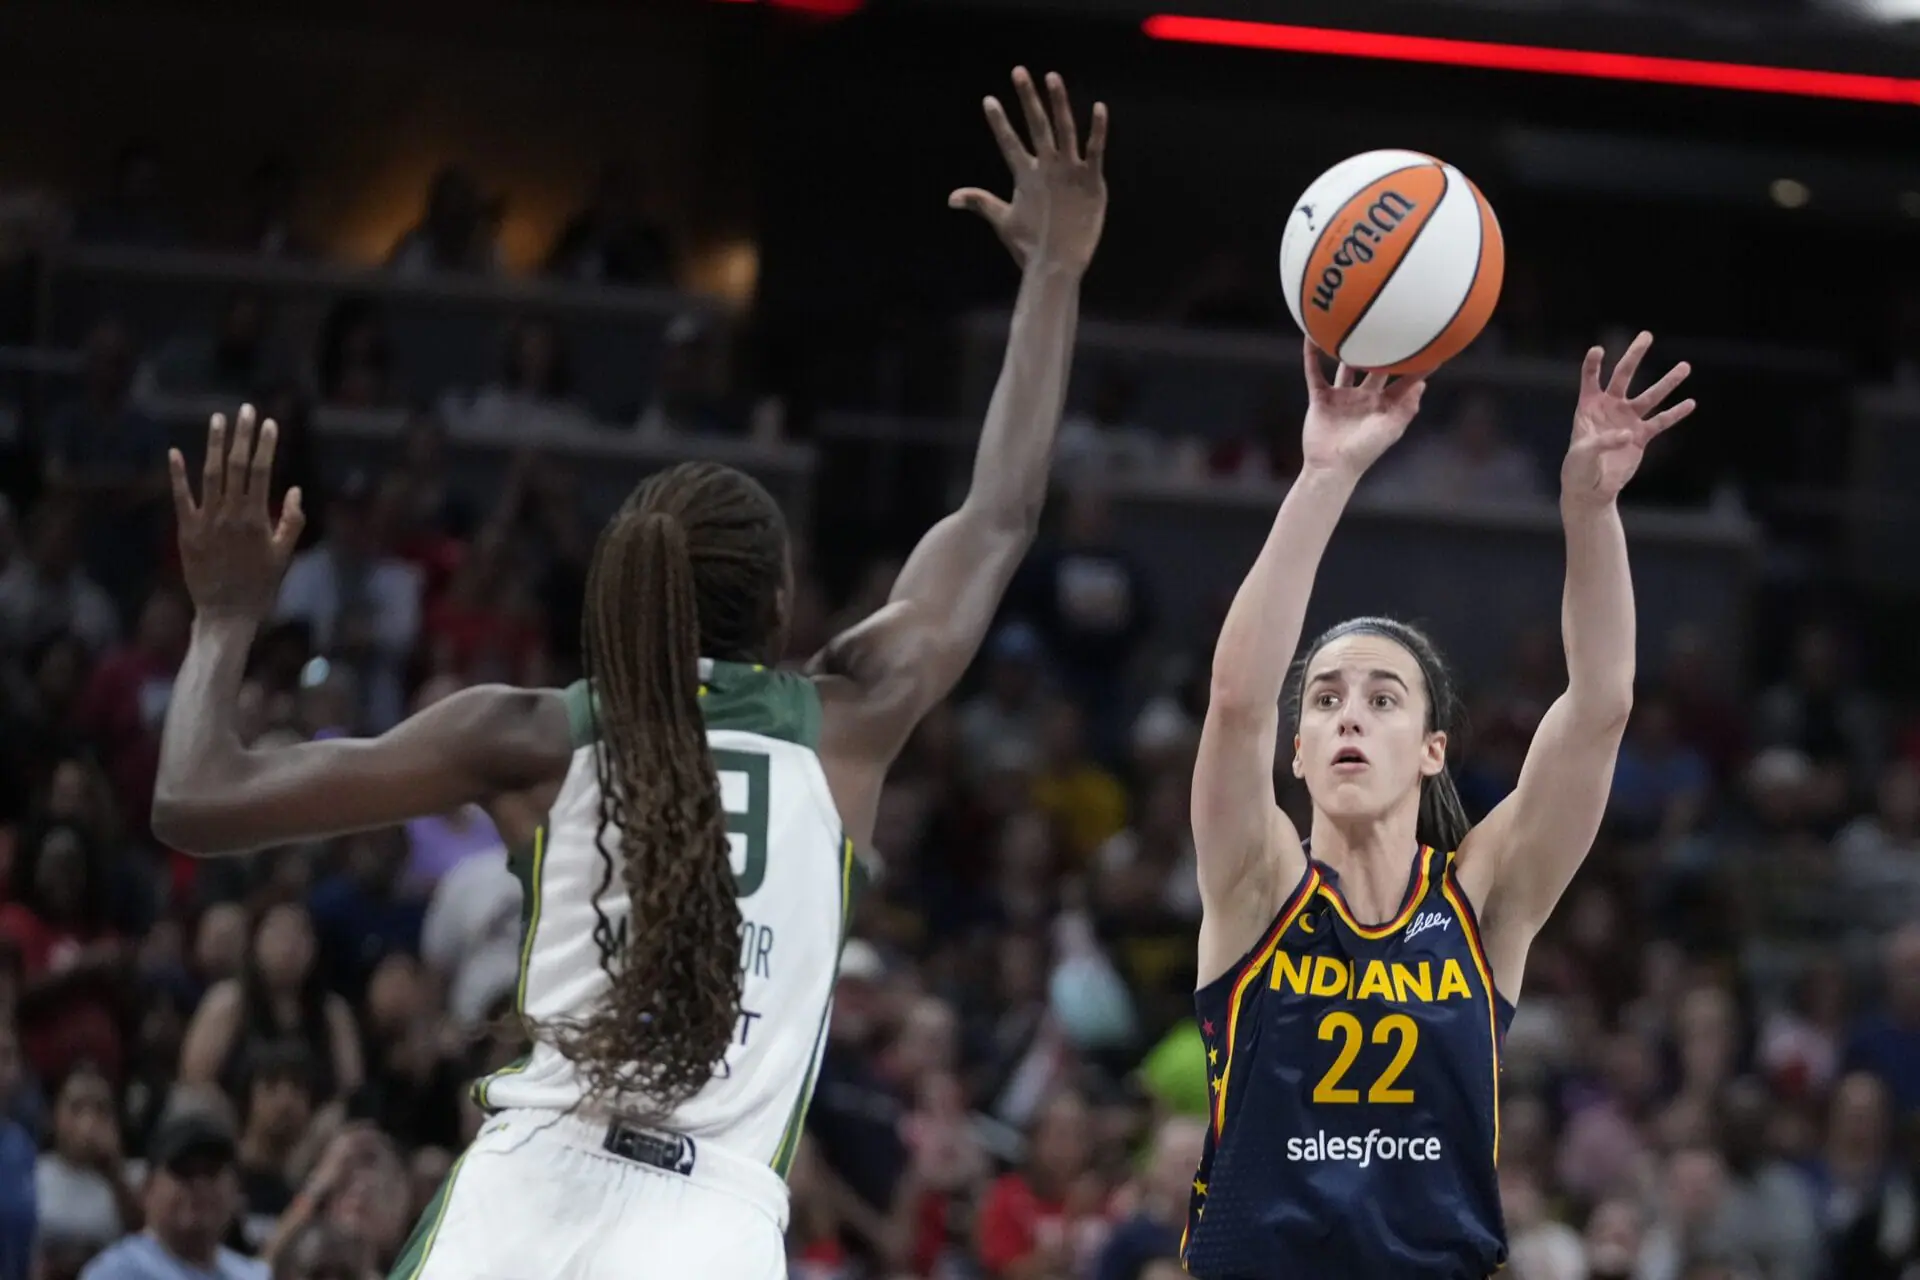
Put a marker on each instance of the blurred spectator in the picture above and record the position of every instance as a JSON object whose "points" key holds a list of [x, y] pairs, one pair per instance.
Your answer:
{"points": [[19, 1211], [613, 240], [276, 1104], [1869, 1206], [1801, 1041], [356, 356], [1886, 1041], [856, 1115], [46, 593], [471, 932], [1470, 462], [1694, 684], [1613, 1238], [1539, 1247], [126, 700], [103, 451], [360, 915], [1695, 1218], [1047, 1220], [454, 234], [1159, 1218], [73, 964], [362, 603], [1836, 724], [85, 1202], [267, 203], [688, 384], [1104, 439], [1006, 715], [243, 354], [1089, 601], [1660, 784], [1085, 801], [415, 1068], [1771, 1206], [278, 999], [533, 395], [1878, 853], [320, 1251], [132, 212], [192, 1196]]}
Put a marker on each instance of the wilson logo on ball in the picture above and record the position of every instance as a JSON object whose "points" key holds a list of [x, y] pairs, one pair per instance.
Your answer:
{"points": [[1395, 265], [1357, 248]]}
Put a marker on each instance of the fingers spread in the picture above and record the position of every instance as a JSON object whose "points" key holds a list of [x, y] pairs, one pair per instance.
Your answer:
{"points": [[1064, 130], [1629, 364], [1011, 148], [183, 508], [1037, 126], [213, 473], [1097, 137]]}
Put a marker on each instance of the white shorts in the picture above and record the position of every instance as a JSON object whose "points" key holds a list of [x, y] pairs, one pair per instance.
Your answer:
{"points": [[539, 1197]]}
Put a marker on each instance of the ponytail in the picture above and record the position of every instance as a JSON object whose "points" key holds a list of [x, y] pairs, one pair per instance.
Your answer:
{"points": [[675, 999], [1443, 822]]}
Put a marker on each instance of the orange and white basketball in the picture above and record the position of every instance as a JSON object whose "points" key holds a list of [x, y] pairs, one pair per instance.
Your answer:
{"points": [[1392, 261]]}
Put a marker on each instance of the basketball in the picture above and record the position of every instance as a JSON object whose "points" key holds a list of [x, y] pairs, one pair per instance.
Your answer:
{"points": [[1392, 262]]}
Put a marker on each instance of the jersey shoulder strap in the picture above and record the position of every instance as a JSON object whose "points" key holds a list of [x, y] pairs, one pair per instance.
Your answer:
{"points": [[754, 699]]}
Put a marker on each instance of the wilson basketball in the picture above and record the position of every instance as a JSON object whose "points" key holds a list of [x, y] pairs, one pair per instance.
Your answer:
{"points": [[1392, 261]]}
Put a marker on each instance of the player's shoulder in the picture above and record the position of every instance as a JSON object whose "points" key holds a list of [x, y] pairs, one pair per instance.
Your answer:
{"points": [[525, 734]]}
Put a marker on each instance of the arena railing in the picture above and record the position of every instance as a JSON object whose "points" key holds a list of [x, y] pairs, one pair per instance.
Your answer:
{"points": [[1477, 575], [606, 460], [445, 330]]}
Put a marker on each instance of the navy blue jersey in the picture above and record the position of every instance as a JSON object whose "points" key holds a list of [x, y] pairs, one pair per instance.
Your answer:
{"points": [[1356, 1109]]}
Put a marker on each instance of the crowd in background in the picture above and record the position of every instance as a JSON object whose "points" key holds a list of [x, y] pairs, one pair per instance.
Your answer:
{"points": [[1713, 1075]]}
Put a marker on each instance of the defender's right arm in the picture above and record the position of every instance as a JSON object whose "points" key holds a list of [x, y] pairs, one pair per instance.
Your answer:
{"points": [[1249, 853]]}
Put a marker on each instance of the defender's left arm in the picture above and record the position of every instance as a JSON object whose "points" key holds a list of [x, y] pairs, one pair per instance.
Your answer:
{"points": [[1519, 861]]}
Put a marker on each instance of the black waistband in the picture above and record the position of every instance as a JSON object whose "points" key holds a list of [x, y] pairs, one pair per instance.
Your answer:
{"points": [[672, 1152]]}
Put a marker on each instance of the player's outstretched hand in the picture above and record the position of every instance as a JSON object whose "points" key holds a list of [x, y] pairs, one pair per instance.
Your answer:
{"points": [[1059, 193], [1352, 420], [1611, 428], [232, 550]]}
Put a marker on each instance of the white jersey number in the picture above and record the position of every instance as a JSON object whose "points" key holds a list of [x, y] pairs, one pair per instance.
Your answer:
{"points": [[743, 793]]}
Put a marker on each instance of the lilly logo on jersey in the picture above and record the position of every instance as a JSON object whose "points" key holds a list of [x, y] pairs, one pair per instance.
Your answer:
{"points": [[1427, 920], [1319, 1147]]}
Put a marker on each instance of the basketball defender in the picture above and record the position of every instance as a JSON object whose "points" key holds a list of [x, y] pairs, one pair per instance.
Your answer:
{"points": [[688, 816], [1356, 987]]}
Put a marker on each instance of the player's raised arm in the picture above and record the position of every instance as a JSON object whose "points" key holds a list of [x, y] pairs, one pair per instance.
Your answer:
{"points": [[1522, 857], [1248, 852], [887, 672], [214, 794]]}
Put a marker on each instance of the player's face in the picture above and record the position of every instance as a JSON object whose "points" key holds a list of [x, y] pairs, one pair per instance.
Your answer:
{"points": [[1362, 746]]}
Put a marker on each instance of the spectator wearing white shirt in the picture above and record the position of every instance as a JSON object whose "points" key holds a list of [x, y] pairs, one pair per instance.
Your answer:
{"points": [[45, 591], [361, 604]]}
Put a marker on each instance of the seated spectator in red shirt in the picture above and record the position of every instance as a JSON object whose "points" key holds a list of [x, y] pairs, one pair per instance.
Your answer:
{"points": [[73, 964], [1049, 1220]]}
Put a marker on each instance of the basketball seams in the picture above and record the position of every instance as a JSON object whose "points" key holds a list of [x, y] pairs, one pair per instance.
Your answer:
{"points": [[1483, 214], [1413, 242], [1313, 254]]}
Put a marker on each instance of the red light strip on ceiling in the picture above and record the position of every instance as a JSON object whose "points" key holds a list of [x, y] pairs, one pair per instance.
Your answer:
{"points": [[1636, 68]]}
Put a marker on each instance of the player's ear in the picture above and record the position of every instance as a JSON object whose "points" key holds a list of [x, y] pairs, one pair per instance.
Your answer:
{"points": [[1299, 765], [1433, 755]]}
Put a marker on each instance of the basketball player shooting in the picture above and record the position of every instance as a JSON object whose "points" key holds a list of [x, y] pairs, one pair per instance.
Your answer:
{"points": [[676, 993], [1356, 985]]}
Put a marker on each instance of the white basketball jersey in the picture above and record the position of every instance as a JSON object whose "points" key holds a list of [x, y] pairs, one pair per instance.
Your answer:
{"points": [[795, 873]]}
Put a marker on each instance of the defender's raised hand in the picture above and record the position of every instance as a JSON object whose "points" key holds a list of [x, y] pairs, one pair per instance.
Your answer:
{"points": [[232, 551], [1059, 194], [1611, 430]]}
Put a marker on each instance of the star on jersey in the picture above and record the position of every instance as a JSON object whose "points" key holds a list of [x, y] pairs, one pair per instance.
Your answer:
{"points": [[1213, 1057], [1206, 1027]]}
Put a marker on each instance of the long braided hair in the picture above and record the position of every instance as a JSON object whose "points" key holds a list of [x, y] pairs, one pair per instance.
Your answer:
{"points": [[1443, 821], [694, 565]]}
